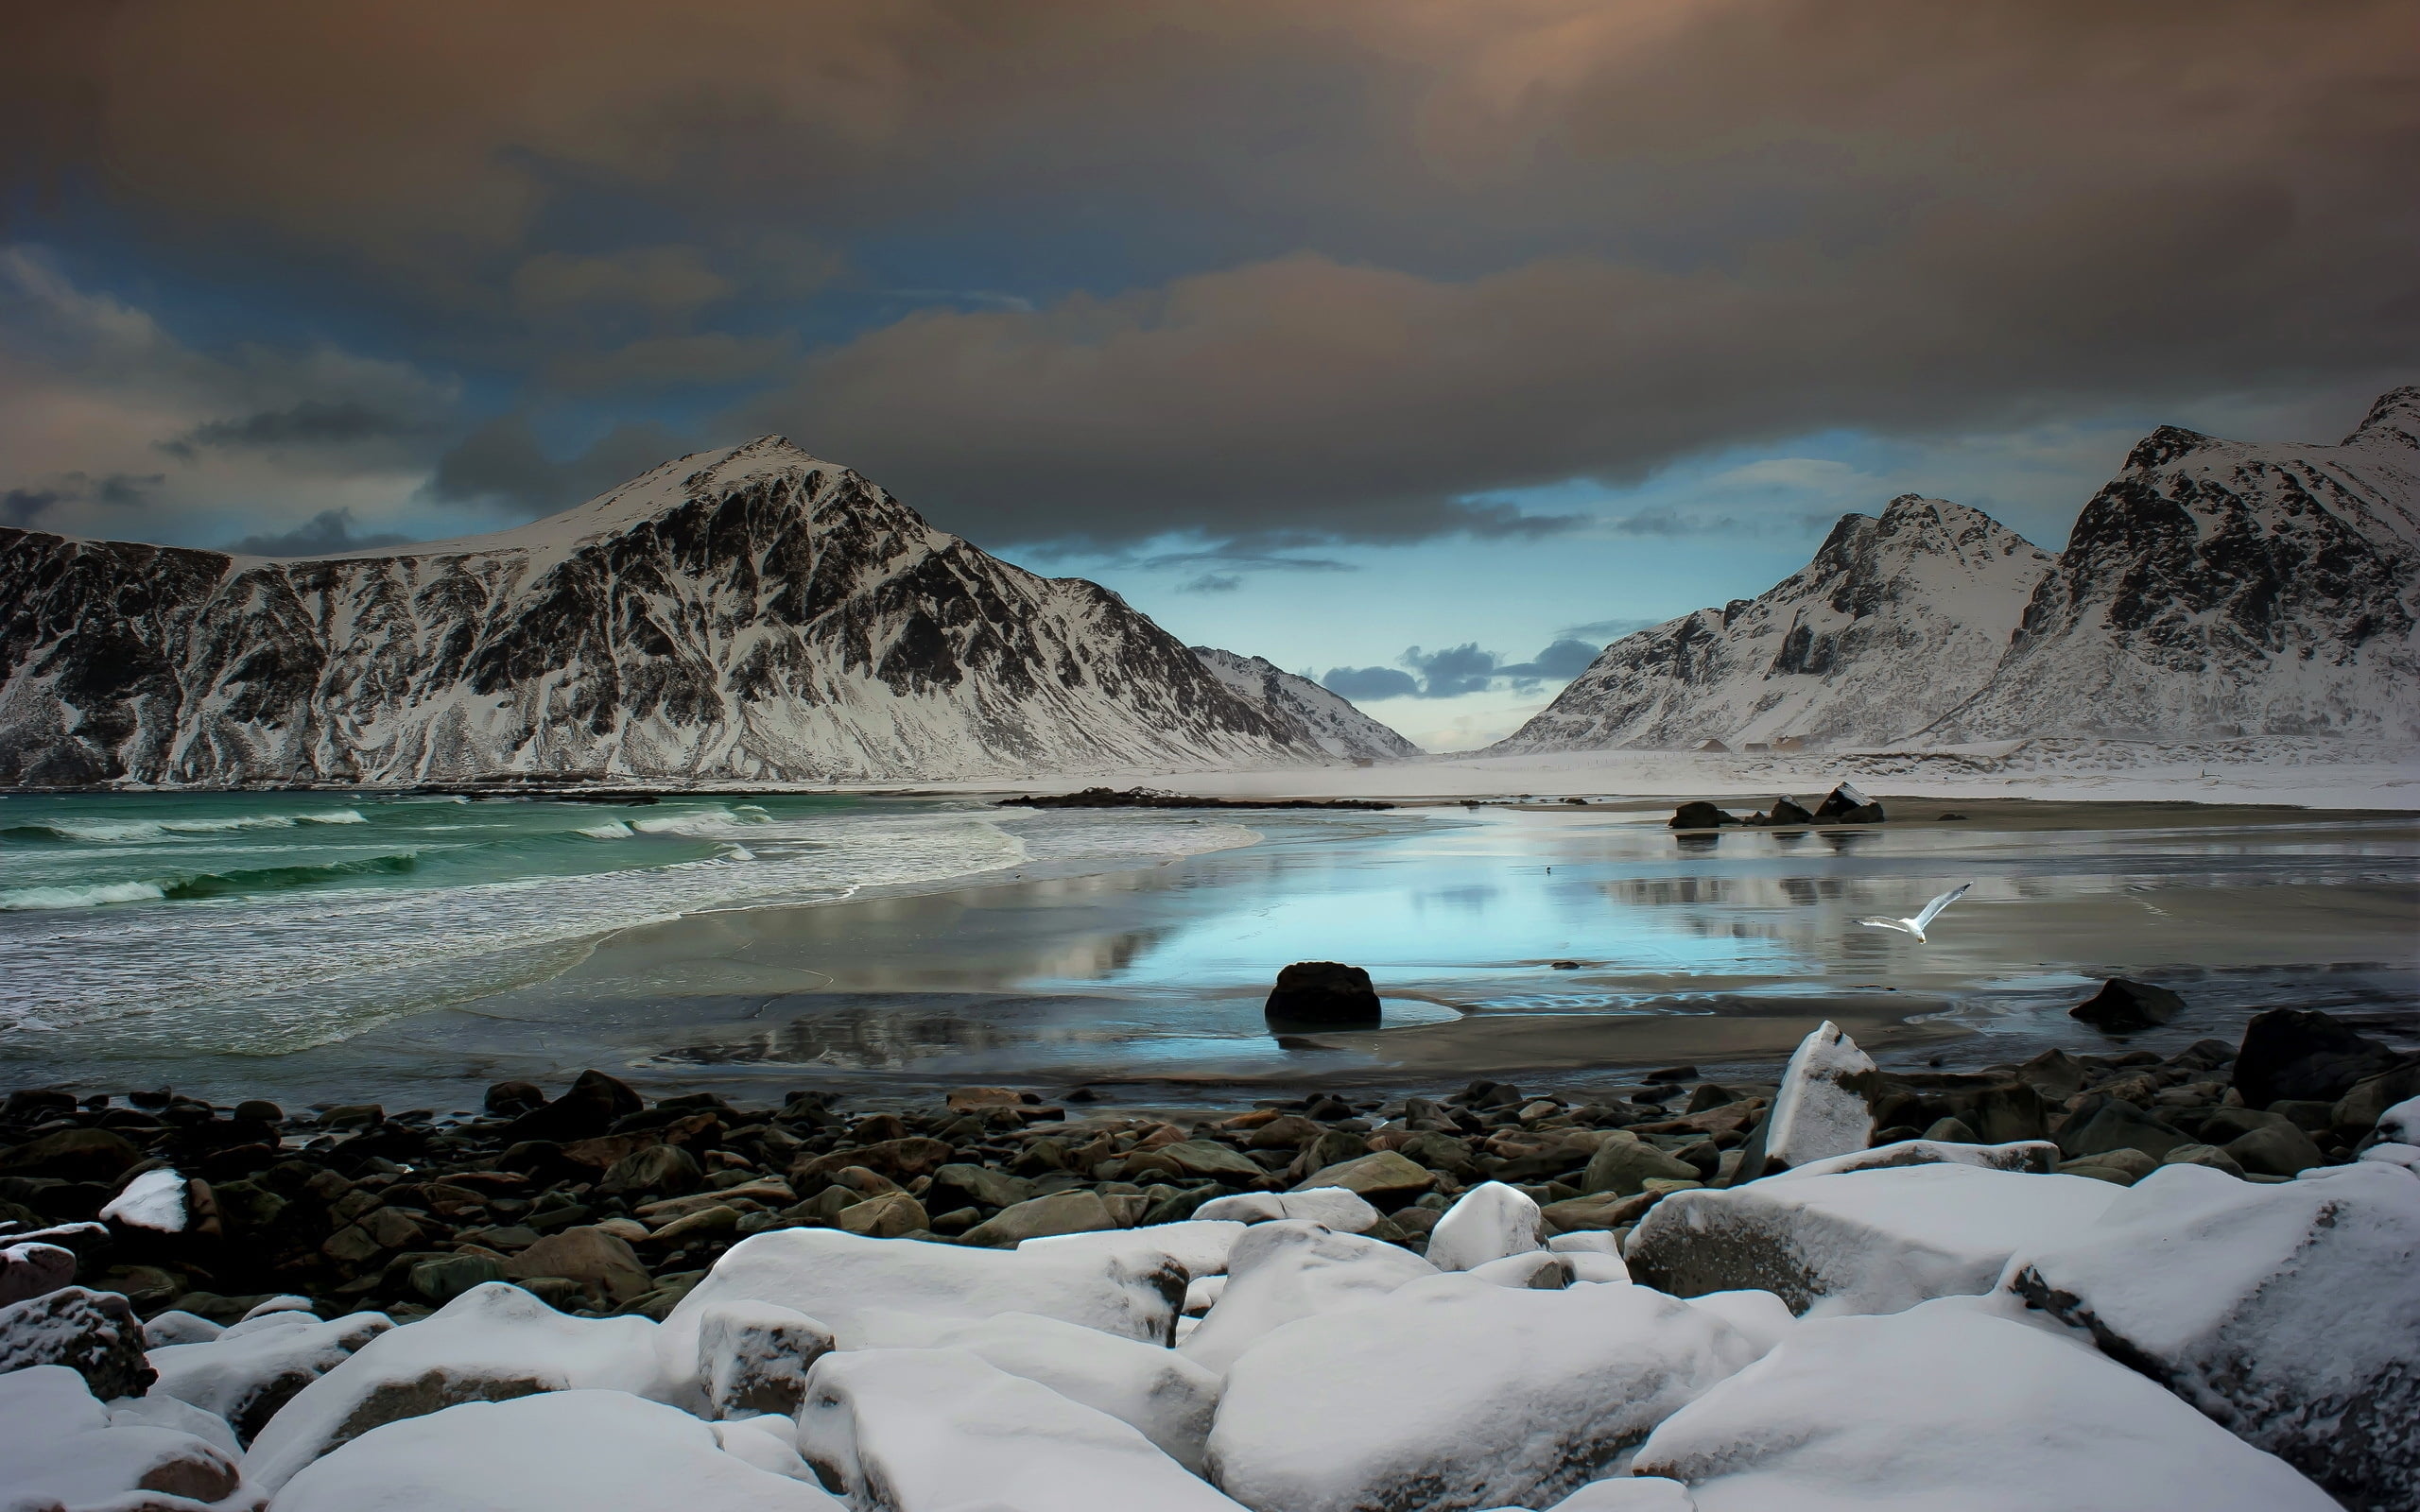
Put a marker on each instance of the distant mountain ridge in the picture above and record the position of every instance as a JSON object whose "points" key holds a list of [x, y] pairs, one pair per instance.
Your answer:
{"points": [[749, 614], [1896, 621], [2212, 588], [1324, 719]]}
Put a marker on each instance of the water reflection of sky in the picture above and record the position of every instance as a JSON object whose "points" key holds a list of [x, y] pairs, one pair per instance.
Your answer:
{"points": [[1474, 908]]}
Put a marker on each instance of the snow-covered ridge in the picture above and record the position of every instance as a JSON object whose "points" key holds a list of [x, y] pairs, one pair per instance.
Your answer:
{"points": [[2223, 588], [2213, 590], [1324, 719], [1896, 621], [748, 614]]}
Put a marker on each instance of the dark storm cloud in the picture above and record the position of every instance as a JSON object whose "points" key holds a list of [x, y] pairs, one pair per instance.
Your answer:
{"points": [[1266, 272], [502, 465], [312, 422], [330, 530], [1362, 684], [1604, 632], [23, 507]]}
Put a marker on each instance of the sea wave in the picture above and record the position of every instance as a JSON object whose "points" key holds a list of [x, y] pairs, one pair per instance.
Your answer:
{"points": [[119, 831], [23, 900]]}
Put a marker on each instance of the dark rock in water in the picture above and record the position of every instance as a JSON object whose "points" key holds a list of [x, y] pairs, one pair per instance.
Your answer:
{"points": [[1672, 1074], [511, 1099], [2302, 1052], [1562, 966], [1327, 993], [1862, 814], [2116, 1125], [1787, 812], [2122, 1005], [1950, 819], [94, 1333], [591, 1108], [1843, 802], [1700, 816]]}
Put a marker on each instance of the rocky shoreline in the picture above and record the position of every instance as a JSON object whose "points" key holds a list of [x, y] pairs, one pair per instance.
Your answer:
{"points": [[603, 1206]]}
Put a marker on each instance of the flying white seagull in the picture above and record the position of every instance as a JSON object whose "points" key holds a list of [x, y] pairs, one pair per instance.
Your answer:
{"points": [[1924, 917]]}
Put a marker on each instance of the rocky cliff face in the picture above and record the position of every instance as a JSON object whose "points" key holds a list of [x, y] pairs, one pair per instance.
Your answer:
{"points": [[1313, 715], [747, 614], [1896, 621], [2221, 587]]}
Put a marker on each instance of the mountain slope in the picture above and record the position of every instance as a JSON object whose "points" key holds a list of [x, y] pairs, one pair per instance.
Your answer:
{"points": [[1323, 718], [2226, 588], [748, 614], [1895, 621]]}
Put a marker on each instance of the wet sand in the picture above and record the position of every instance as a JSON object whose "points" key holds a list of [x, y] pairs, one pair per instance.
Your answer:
{"points": [[1550, 944]]}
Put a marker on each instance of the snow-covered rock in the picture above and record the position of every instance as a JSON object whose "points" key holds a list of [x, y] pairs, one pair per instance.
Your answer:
{"points": [[754, 1356], [1948, 1406], [1197, 1246], [60, 1448], [1457, 1393], [1320, 718], [153, 1199], [1488, 1222], [1819, 1112], [1279, 1272], [157, 1409], [832, 1277], [176, 1326], [2039, 1156], [1873, 1240], [1166, 1397], [1347, 1212], [937, 1430], [1629, 1493], [31, 1268], [2400, 1125], [1895, 622], [93, 1333], [492, 1343], [251, 1370], [2288, 1312], [2227, 588], [1762, 1318], [752, 613], [592, 1451]]}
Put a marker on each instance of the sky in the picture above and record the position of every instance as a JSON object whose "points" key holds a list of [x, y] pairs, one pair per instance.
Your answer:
{"points": [[1423, 346]]}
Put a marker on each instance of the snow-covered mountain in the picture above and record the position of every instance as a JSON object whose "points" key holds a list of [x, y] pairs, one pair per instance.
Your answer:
{"points": [[752, 613], [1896, 621], [1323, 719], [2226, 588]]}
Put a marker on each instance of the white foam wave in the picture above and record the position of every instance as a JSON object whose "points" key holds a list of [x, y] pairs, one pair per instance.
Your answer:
{"points": [[332, 817], [704, 823], [610, 830], [105, 831], [20, 900]]}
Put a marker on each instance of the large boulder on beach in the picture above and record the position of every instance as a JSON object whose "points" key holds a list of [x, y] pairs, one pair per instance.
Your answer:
{"points": [[1871, 1241], [1946, 1406], [594, 1103], [1279, 1272], [1820, 1110], [1700, 815], [1323, 993], [2122, 1006], [1458, 1393], [594, 1450], [936, 1429], [2305, 1055], [491, 1343], [2288, 1313]]}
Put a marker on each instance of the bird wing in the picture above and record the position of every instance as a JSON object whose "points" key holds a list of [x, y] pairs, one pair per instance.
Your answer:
{"points": [[1932, 910], [1899, 924]]}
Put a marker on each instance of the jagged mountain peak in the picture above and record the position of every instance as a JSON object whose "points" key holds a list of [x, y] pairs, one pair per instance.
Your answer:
{"points": [[2395, 420], [1898, 617], [747, 614]]}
